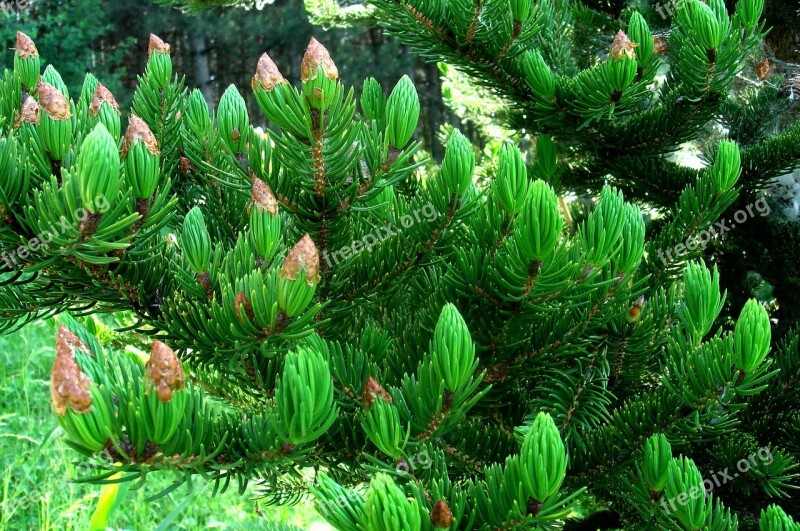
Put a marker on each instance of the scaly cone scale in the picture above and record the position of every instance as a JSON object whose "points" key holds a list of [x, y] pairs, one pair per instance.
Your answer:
{"points": [[267, 75], [622, 47], [29, 113]]}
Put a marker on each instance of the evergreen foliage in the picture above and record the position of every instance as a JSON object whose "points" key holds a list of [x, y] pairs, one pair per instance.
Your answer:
{"points": [[321, 296]]}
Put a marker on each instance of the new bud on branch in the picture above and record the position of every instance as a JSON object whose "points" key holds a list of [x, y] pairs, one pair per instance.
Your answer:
{"points": [[304, 396], [159, 63], [164, 399], [102, 95], [373, 391], [265, 224], [164, 371], [622, 47], [752, 336], [727, 166], [263, 198], [29, 113], [278, 99], [298, 277], [195, 241], [441, 515], [642, 39], [402, 113], [319, 76], [458, 164], [69, 386], [82, 407], [539, 76], [388, 508], [142, 158], [657, 460], [26, 61], [452, 349], [539, 222], [543, 459], [267, 75], [104, 108], [98, 168], [55, 124], [233, 121], [512, 179]]}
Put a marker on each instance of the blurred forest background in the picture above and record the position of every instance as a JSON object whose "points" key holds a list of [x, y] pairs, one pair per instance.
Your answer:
{"points": [[221, 46], [214, 49]]}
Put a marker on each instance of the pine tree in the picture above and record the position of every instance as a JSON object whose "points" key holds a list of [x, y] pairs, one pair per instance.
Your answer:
{"points": [[683, 92], [319, 295]]}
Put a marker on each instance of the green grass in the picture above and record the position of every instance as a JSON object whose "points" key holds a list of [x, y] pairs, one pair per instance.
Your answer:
{"points": [[38, 491]]}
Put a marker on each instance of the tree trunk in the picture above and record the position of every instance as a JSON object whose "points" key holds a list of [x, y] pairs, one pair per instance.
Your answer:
{"points": [[200, 66]]}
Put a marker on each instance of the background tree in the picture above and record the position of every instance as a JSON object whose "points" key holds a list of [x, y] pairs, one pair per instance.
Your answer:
{"points": [[211, 42]]}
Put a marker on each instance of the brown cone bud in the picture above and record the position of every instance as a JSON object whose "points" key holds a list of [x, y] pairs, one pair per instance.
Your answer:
{"points": [[267, 74], [317, 56], [660, 45], [441, 516], [29, 113], [622, 47], [636, 310], [263, 198], [185, 166], [156, 45], [139, 130], [242, 304], [102, 94], [302, 256], [496, 373], [53, 102], [69, 386], [25, 46], [373, 390], [164, 371], [762, 69]]}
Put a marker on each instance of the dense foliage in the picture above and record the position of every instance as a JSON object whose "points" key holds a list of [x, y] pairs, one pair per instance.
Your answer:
{"points": [[321, 296]]}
